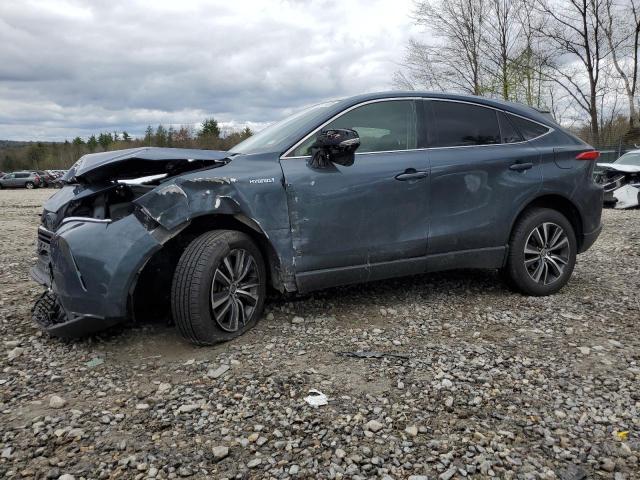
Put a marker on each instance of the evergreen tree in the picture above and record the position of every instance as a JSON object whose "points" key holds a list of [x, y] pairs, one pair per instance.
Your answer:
{"points": [[161, 136], [148, 136], [210, 128], [105, 139], [92, 143]]}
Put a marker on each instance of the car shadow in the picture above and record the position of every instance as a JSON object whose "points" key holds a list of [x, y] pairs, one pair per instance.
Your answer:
{"points": [[159, 333]]}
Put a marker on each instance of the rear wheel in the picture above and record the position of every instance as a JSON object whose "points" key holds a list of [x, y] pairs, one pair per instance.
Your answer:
{"points": [[542, 252], [218, 288], [29, 185]]}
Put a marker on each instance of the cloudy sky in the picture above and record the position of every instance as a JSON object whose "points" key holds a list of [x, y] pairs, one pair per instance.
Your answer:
{"points": [[77, 67]]}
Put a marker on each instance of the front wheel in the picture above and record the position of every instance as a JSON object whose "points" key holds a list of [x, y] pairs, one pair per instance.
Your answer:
{"points": [[219, 287], [542, 252]]}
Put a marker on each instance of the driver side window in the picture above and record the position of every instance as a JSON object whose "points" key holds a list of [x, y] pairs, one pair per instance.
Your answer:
{"points": [[382, 126]]}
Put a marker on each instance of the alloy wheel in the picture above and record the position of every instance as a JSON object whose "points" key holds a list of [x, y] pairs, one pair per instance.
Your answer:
{"points": [[546, 253], [235, 290]]}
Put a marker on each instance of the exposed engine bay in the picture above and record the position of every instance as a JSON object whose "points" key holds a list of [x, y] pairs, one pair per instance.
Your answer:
{"points": [[111, 203]]}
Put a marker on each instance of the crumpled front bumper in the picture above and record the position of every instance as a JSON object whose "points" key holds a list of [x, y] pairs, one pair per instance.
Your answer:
{"points": [[91, 266]]}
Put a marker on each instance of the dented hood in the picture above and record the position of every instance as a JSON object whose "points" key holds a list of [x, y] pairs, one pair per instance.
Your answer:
{"points": [[620, 167], [140, 162]]}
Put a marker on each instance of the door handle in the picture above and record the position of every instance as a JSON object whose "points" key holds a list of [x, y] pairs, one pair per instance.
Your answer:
{"points": [[521, 167], [411, 174]]}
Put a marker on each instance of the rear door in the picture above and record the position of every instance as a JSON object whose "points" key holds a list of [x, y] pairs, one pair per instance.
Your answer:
{"points": [[21, 179], [373, 211], [481, 174]]}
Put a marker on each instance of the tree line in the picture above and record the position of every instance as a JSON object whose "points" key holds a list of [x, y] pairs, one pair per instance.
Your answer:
{"points": [[577, 59], [61, 155]]}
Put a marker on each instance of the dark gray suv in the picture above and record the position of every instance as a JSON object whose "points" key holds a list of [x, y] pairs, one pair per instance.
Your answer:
{"points": [[367, 188]]}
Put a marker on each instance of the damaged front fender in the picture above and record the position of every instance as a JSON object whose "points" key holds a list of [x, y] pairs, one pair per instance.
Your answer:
{"points": [[92, 269], [174, 204]]}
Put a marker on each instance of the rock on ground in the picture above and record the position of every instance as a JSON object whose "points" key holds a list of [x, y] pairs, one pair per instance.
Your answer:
{"points": [[486, 382]]}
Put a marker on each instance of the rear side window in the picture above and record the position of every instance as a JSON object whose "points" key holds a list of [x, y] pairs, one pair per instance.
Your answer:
{"points": [[461, 124], [22, 175], [527, 128], [509, 133]]}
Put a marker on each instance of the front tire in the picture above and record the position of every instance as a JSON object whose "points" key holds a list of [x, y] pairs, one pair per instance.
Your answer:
{"points": [[219, 287], [542, 252]]}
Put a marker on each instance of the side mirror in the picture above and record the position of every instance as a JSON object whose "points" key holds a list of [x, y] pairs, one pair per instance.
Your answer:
{"points": [[334, 146]]}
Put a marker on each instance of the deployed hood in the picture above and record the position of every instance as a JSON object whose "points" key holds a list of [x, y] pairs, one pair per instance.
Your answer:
{"points": [[141, 162], [620, 167]]}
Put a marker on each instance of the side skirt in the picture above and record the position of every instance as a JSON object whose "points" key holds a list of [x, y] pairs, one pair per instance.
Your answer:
{"points": [[483, 258]]}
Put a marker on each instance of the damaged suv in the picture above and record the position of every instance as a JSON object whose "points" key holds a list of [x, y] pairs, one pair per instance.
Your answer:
{"points": [[621, 180], [366, 188]]}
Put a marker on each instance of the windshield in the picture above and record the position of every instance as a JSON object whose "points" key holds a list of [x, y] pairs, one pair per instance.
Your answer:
{"points": [[631, 158], [271, 138]]}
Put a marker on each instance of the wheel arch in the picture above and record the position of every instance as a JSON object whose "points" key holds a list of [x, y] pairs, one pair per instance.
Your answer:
{"points": [[241, 223], [559, 203], [150, 292]]}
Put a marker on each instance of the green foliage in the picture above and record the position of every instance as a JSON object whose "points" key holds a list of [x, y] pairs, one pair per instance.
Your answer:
{"points": [[148, 135], [92, 143], [105, 139], [161, 136], [209, 128]]}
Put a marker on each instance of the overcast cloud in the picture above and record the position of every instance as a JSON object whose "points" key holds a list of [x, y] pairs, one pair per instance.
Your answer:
{"points": [[74, 67]]}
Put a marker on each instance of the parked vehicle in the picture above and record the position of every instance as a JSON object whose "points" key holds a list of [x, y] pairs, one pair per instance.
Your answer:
{"points": [[367, 188], [46, 178], [56, 181], [621, 180], [20, 180]]}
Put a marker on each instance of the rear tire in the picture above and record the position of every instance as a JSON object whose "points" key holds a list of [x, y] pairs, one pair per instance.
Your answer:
{"points": [[219, 287], [29, 185], [542, 252]]}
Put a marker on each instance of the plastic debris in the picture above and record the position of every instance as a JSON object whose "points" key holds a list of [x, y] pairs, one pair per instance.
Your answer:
{"points": [[622, 436], [316, 398], [94, 362]]}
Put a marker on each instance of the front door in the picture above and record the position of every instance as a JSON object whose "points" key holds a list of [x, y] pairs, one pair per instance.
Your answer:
{"points": [[373, 211]]}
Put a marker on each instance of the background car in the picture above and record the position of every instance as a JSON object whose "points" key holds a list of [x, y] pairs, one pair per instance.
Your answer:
{"points": [[620, 180], [46, 178], [21, 180]]}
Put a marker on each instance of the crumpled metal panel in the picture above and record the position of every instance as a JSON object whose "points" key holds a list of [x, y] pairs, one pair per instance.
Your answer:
{"points": [[137, 162]]}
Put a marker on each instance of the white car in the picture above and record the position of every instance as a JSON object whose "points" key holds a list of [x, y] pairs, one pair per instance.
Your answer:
{"points": [[621, 180]]}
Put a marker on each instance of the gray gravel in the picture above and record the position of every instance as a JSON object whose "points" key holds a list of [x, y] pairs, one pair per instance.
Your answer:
{"points": [[482, 382]]}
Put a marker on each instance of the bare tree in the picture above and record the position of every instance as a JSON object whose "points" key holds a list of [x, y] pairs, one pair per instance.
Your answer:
{"points": [[574, 34], [502, 37], [621, 26], [454, 59]]}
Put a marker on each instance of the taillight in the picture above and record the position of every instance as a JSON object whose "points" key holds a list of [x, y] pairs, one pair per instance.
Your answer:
{"points": [[590, 155]]}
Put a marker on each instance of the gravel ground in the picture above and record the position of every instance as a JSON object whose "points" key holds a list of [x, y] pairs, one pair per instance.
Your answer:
{"points": [[476, 381]]}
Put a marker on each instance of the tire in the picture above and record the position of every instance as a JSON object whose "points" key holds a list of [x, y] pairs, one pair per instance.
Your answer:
{"points": [[207, 268], [545, 267], [29, 185]]}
